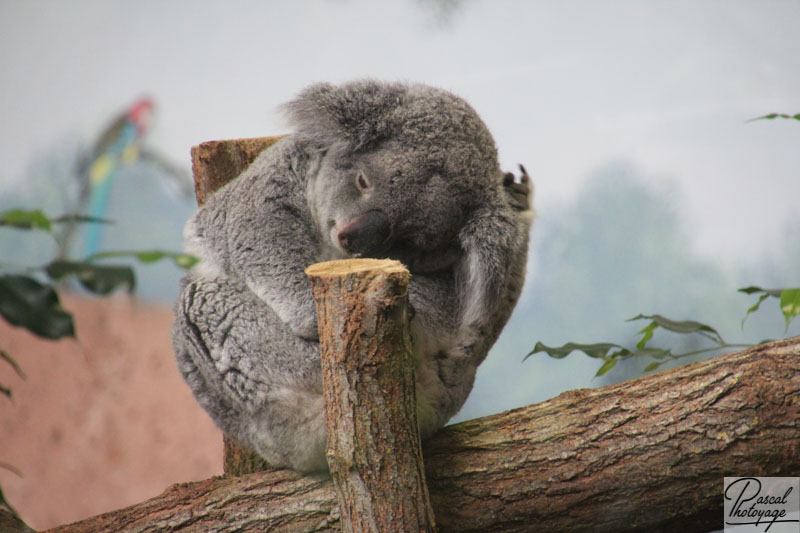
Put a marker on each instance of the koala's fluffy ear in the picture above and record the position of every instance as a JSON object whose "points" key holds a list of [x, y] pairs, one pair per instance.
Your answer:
{"points": [[358, 113]]}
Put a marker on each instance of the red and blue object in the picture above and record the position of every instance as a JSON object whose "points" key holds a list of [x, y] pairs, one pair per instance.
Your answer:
{"points": [[119, 145]]}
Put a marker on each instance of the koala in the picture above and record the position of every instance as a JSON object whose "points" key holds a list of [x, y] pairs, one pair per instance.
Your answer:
{"points": [[372, 169]]}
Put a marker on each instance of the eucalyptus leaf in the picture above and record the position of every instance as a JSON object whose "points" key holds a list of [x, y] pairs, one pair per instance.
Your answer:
{"points": [[752, 289], [766, 293], [27, 303], [610, 363], [598, 350], [790, 304], [753, 308], [682, 326], [36, 219], [647, 334], [25, 219], [652, 366], [773, 116], [99, 279]]}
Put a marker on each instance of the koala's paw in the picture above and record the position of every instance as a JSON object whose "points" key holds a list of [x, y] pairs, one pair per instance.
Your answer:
{"points": [[519, 192], [305, 328], [301, 319]]}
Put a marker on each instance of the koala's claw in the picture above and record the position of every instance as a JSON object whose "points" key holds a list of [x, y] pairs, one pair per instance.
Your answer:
{"points": [[519, 192], [524, 178]]}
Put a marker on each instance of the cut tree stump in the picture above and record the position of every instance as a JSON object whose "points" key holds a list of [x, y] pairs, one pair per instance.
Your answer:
{"points": [[215, 163], [373, 447]]}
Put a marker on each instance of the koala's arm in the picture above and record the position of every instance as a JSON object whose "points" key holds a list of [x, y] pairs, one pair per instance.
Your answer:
{"points": [[258, 230], [490, 276]]}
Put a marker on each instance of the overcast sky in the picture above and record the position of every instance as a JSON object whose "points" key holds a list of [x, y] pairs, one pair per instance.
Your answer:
{"points": [[566, 87]]}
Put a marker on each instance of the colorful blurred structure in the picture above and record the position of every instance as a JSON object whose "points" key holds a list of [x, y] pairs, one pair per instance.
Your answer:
{"points": [[119, 144]]}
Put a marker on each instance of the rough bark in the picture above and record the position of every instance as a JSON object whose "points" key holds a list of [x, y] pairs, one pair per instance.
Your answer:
{"points": [[644, 455], [215, 163], [373, 448]]}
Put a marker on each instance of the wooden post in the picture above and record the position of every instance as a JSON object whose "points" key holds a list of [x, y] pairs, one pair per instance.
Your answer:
{"points": [[374, 450], [214, 164]]}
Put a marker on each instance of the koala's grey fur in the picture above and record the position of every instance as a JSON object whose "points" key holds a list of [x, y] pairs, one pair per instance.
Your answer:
{"points": [[372, 169]]}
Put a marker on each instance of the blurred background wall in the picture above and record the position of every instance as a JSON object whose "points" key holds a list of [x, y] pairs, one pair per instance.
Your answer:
{"points": [[654, 193]]}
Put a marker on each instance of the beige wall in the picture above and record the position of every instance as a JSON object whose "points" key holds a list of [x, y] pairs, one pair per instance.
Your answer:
{"points": [[103, 421]]}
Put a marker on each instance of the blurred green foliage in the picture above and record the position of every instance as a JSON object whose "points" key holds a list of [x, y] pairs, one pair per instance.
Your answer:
{"points": [[29, 297]]}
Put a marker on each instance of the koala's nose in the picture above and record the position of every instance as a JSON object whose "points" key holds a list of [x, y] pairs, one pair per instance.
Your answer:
{"points": [[366, 235]]}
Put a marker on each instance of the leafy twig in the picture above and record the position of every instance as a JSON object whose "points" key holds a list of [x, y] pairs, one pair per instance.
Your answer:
{"points": [[612, 353], [773, 116], [30, 303], [789, 301], [36, 219]]}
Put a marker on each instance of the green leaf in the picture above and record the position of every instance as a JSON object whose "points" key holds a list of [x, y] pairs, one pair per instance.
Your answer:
{"points": [[598, 350], [29, 304], [752, 289], [99, 279], [647, 334], [790, 304], [36, 219], [766, 293], [150, 256], [753, 308], [682, 326], [773, 116], [608, 365], [24, 219], [652, 366]]}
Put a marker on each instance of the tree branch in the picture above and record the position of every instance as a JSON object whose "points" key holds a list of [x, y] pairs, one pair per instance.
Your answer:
{"points": [[215, 163], [648, 454]]}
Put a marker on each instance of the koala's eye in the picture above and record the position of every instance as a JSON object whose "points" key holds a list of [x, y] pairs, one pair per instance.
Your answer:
{"points": [[362, 182]]}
